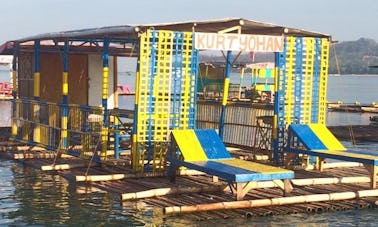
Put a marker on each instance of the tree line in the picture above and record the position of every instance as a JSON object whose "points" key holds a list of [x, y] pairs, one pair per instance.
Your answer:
{"points": [[354, 57]]}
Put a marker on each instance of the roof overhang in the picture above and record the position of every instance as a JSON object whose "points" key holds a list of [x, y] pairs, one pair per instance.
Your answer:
{"points": [[131, 32]]}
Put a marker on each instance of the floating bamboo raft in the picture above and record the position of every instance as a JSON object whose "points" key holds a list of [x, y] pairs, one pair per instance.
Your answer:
{"points": [[341, 186], [356, 107], [358, 132]]}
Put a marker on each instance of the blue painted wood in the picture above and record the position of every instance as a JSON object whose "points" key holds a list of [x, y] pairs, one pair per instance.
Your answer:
{"points": [[340, 156], [224, 102], [307, 137], [211, 144], [231, 173]]}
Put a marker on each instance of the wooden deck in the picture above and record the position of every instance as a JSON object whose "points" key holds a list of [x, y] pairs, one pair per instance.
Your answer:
{"points": [[193, 192]]}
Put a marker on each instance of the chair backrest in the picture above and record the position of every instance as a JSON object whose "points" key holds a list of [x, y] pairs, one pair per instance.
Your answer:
{"points": [[200, 145], [316, 137]]}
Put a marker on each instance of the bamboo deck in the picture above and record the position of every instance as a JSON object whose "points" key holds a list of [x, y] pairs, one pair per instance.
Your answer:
{"points": [[330, 190]]}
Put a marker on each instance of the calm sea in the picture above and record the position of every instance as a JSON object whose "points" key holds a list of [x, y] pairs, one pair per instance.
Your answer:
{"points": [[29, 197]]}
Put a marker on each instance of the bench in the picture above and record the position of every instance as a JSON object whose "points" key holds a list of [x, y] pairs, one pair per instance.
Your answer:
{"points": [[203, 150], [317, 140]]}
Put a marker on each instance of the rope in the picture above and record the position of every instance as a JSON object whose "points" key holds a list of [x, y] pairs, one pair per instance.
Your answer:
{"points": [[351, 134], [350, 127], [94, 153], [57, 153]]}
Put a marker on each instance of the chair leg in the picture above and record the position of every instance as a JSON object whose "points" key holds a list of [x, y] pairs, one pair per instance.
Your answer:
{"points": [[373, 176], [239, 193], [289, 157], [171, 173], [288, 187], [320, 164]]}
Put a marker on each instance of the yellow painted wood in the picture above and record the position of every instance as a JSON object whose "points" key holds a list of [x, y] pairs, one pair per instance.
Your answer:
{"points": [[253, 166], [327, 138], [14, 80], [37, 77], [105, 82], [324, 57], [65, 83], [225, 91], [189, 145], [290, 75], [307, 80]]}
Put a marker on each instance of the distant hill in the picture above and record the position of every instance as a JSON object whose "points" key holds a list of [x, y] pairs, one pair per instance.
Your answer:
{"points": [[353, 57]]}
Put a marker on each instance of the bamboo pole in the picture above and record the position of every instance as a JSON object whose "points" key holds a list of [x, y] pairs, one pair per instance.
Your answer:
{"points": [[271, 202], [64, 166], [119, 176], [21, 148], [9, 143], [259, 184], [100, 177], [330, 180], [330, 165], [259, 157], [170, 190], [87, 190], [31, 156], [14, 148]]}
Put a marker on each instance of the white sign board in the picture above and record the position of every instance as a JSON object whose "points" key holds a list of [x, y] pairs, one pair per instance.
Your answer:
{"points": [[238, 42]]}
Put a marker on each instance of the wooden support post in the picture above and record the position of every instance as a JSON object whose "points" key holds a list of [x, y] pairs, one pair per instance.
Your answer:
{"points": [[320, 164], [36, 92], [239, 191], [289, 157], [373, 174], [288, 187], [279, 183], [15, 107], [105, 82], [249, 186], [172, 173], [225, 93], [64, 107]]}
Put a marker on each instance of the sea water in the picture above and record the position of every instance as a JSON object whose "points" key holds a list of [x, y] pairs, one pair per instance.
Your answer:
{"points": [[30, 197]]}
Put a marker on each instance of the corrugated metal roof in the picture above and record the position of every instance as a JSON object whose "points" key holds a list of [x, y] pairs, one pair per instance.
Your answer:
{"points": [[247, 27], [131, 31], [125, 31]]}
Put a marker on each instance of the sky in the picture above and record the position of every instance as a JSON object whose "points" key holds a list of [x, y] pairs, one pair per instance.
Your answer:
{"points": [[345, 20]]}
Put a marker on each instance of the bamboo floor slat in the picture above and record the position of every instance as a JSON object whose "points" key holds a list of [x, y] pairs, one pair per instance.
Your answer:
{"points": [[132, 183]]}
